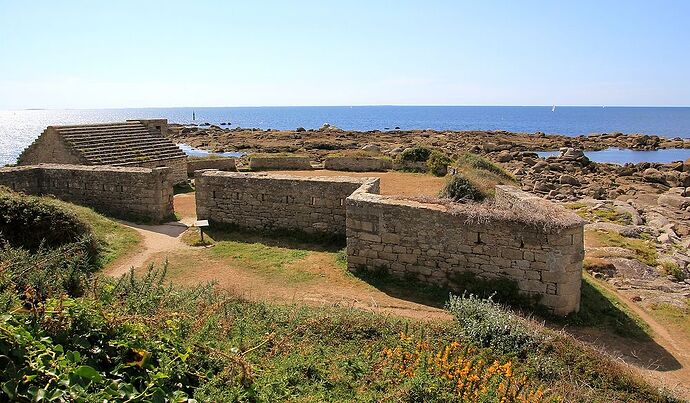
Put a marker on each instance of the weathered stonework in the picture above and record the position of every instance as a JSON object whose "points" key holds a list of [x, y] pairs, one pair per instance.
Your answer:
{"points": [[291, 162], [428, 242], [221, 164], [357, 164], [431, 243], [127, 192], [261, 201], [134, 143]]}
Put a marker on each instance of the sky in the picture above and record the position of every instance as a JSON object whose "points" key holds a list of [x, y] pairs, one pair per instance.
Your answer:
{"points": [[126, 53]]}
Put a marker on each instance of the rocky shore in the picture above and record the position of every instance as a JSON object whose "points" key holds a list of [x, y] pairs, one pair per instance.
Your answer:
{"points": [[629, 206]]}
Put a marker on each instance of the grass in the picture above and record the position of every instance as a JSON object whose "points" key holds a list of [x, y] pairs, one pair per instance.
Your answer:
{"points": [[602, 309], [645, 251], [116, 240], [673, 269], [475, 179], [267, 259], [276, 155], [673, 316], [359, 153], [604, 213]]}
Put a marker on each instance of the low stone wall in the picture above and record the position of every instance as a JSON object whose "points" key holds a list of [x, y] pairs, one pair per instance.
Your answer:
{"points": [[127, 192], [270, 202], [357, 164], [178, 167], [433, 243], [221, 164], [291, 162]]}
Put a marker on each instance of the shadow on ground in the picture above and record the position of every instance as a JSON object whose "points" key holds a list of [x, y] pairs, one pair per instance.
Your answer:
{"points": [[604, 321], [283, 239]]}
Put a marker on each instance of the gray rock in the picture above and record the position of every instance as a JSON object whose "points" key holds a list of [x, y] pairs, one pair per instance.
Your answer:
{"points": [[673, 200], [569, 180], [653, 175], [504, 156], [372, 148]]}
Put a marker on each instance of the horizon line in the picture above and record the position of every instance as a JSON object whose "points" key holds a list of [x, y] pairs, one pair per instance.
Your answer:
{"points": [[355, 106]]}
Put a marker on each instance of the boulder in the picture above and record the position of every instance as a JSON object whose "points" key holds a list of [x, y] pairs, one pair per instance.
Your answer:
{"points": [[504, 156], [653, 175], [568, 180], [571, 153], [372, 148], [673, 200]]}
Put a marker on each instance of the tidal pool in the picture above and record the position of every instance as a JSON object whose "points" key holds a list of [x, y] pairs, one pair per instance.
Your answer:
{"points": [[622, 156]]}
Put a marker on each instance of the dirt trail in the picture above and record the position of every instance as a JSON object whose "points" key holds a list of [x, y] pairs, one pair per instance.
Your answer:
{"points": [[157, 240]]}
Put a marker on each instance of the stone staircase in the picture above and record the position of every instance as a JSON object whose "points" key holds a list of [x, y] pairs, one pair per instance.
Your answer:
{"points": [[118, 143]]}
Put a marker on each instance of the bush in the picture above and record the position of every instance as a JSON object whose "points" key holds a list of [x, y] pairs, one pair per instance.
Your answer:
{"points": [[415, 154], [478, 162], [674, 270], [491, 325], [29, 222], [460, 189], [437, 163]]}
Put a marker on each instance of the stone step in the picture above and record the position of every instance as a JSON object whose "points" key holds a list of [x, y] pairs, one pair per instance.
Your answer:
{"points": [[98, 127], [124, 154], [129, 147], [120, 143], [138, 159], [106, 135]]}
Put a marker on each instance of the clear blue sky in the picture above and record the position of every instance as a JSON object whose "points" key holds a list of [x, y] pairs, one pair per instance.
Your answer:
{"points": [[96, 54]]}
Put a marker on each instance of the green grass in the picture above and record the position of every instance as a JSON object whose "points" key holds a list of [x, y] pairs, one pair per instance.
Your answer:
{"points": [[270, 261], [644, 249], [601, 308], [673, 316], [115, 239], [604, 213]]}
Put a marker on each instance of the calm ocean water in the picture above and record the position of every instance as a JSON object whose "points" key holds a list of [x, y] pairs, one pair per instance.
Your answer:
{"points": [[19, 128]]}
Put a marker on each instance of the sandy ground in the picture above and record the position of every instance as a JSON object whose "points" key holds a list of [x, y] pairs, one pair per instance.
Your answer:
{"points": [[392, 183]]}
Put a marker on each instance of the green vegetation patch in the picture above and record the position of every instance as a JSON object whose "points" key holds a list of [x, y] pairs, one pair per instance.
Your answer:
{"points": [[605, 213], [269, 260], [644, 249], [676, 317], [33, 220], [415, 154], [359, 154], [277, 155], [475, 179], [602, 309]]}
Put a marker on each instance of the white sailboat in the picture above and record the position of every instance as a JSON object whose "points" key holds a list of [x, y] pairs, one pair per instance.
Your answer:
{"points": [[553, 108]]}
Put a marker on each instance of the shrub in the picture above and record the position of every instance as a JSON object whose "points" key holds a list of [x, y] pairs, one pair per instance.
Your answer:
{"points": [[28, 222], [491, 325], [460, 189], [47, 273], [478, 162], [415, 154], [437, 163], [674, 270]]}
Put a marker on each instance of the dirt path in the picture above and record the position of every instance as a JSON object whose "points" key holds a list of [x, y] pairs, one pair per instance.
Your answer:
{"points": [[157, 240], [677, 380]]}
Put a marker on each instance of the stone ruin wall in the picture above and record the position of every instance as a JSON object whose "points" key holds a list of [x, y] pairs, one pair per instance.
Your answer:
{"points": [[270, 202], [357, 164], [126, 192], [177, 165], [49, 149], [426, 243], [288, 162], [221, 164]]}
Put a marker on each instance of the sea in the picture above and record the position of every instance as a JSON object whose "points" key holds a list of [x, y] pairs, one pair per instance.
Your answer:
{"points": [[18, 128]]}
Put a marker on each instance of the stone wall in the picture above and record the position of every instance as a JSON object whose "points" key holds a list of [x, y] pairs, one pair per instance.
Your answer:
{"points": [[291, 162], [357, 164], [221, 164], [432, 243], [177, 165], [269, 202], [49, 148], [127, 192]]}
